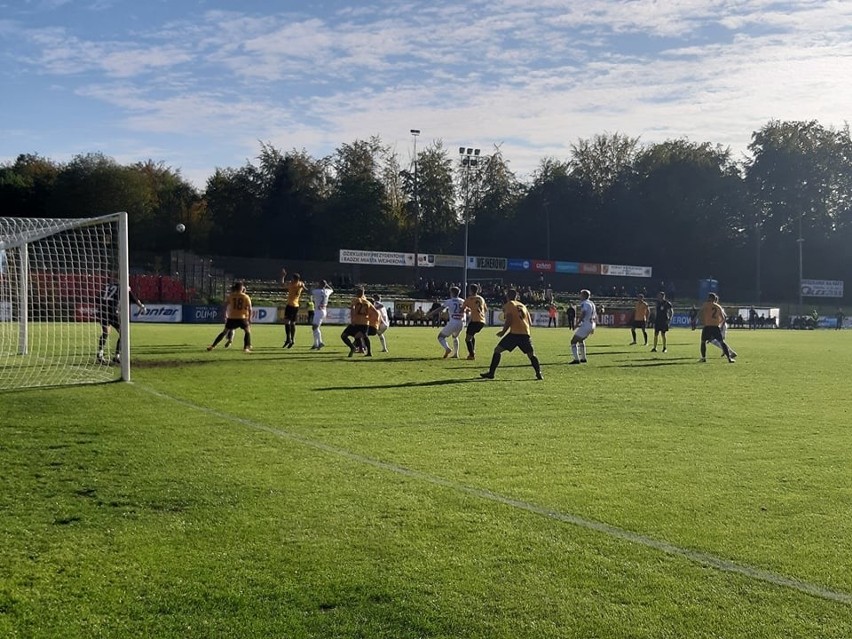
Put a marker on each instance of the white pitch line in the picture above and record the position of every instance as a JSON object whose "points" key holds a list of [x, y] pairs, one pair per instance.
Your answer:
{"points": [[705, 559]]}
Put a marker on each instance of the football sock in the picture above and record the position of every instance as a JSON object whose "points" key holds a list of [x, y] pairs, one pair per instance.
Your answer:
{"points": [[443, 342], [456, 345], [384, 343], [535, 364], [581, 348], [367, 345], [574, 351], [495, 362]]}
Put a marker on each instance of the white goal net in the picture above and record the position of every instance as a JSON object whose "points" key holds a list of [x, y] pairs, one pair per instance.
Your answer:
{"points": [[55, 275]]}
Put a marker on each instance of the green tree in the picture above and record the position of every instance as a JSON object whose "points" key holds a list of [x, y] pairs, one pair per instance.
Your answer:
{"points": [[687, 211], [358, 212], [438, 219], [291, 191], [26, 186], [800, 179], [234, 206], [603, 168]]}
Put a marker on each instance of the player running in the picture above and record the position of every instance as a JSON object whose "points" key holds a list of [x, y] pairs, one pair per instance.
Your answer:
{"points": [[713, 318], [237, 315]]}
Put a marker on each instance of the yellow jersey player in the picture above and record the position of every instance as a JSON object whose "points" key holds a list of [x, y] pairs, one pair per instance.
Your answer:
{"points": [[641, 314], [476, 309], [515, 334], [237, 315], [294, 289], [713, 318], [374, 318], [359, 323]]}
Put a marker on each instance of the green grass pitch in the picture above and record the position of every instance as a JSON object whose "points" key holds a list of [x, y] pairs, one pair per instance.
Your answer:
{"points": [[293, 493]]}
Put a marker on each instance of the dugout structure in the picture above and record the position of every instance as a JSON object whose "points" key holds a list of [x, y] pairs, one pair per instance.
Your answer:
{"points": [[53, 274]]}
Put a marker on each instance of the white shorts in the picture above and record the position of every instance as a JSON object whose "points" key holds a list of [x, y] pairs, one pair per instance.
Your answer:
{"points": [[453, 328], [382, 328], [319, 316], [584, 330]]}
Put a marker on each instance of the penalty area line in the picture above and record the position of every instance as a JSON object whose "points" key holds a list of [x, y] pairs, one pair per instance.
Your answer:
{"points": [[695, 556]]}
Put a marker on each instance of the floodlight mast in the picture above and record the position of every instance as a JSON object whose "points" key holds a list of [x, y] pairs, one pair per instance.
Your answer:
{"points": [[468, 157], [414, 134]]}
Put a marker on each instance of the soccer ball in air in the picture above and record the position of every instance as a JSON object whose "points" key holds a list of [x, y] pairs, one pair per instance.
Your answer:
{"points": [[180, 228]]}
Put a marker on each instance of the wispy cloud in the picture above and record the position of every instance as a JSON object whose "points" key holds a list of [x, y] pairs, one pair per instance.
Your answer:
{"points": [[533, 75]]}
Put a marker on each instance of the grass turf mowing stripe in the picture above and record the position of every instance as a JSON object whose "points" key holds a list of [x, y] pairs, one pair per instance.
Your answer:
{"points": [[698, 557]]}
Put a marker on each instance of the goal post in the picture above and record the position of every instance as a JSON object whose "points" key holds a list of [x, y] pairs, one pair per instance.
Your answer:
{"points": [[54, 274]]}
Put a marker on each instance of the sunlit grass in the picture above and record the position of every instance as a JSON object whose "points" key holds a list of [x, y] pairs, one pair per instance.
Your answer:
{"points": [[294, 493]]}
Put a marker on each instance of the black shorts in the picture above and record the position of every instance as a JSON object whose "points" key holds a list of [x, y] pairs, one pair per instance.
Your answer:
{"points": [[709, 333], [354, 330], [290, 313], [372, 330], [106, 322], [661, 328], [474, 327], [231, 324], [639, 323], [511, 341]]}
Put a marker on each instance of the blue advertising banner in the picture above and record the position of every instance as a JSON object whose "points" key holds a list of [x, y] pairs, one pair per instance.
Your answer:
{"points": [[681, 320], [203, 314], [515, 264], [567, 267]]}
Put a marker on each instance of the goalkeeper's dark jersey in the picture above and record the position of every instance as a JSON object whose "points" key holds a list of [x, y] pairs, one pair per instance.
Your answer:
{"points": [[108, 303]]}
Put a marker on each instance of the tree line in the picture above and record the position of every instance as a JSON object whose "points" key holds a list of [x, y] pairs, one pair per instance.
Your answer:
{"points": [[689, 209]]}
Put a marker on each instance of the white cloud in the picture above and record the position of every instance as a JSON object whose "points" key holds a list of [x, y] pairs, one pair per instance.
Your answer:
{"points": [[532, 74]]}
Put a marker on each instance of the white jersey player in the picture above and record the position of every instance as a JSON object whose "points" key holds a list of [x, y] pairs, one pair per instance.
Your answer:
{"points": [[384, 321], [587, 320], [455, 322], [320, 297]]}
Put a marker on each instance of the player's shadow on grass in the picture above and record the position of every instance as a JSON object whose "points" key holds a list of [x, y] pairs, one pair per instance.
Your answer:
{"points": [[604, 354], [645, 363], [436, 382]]}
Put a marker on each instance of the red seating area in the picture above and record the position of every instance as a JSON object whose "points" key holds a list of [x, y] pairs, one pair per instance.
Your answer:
{"points": [[160, 289]]}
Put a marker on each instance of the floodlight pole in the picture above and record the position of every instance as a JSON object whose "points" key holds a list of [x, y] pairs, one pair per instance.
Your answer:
{"points": [[414, 134], [800, 242], [757, 231], [468, 157]]}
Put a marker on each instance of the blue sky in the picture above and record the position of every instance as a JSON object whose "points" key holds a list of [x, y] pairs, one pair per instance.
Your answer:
{"points": [[198, 84]]}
